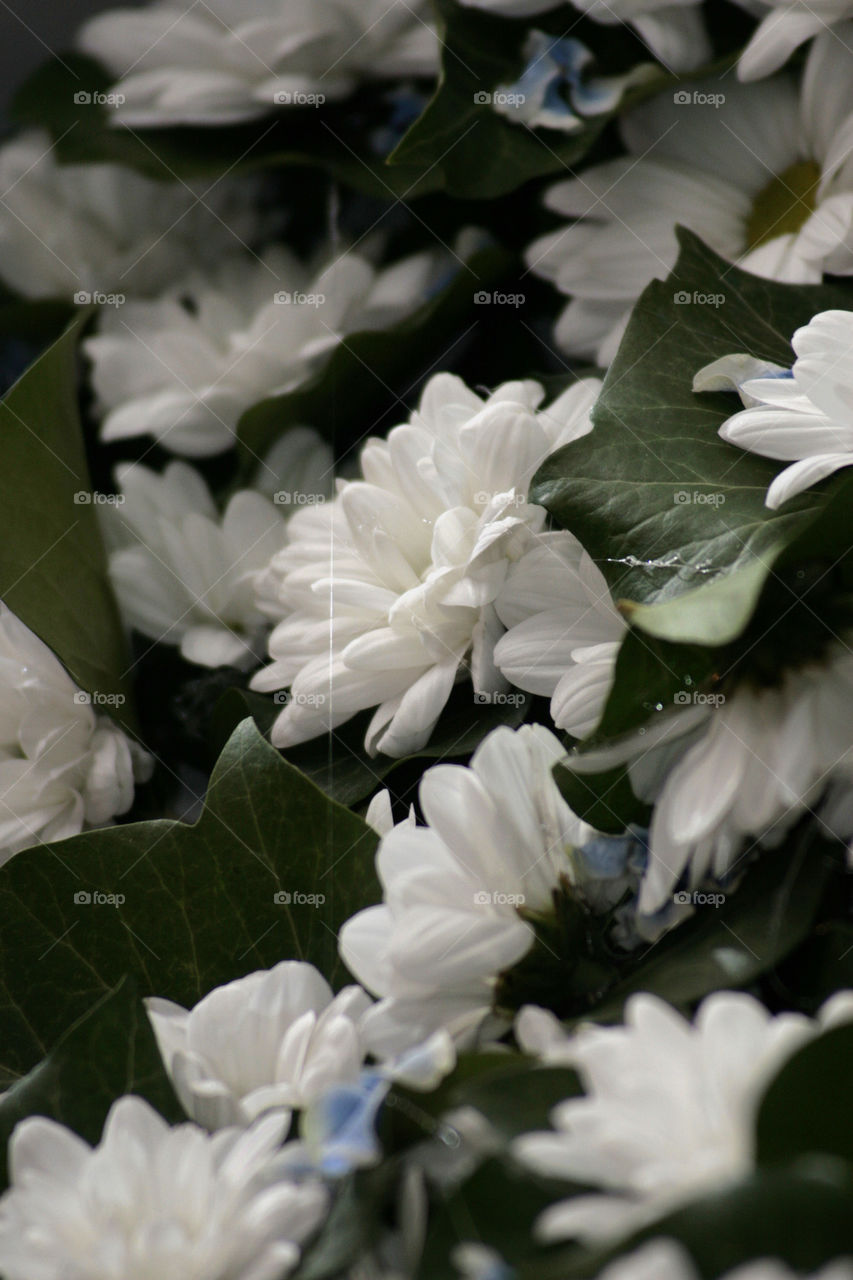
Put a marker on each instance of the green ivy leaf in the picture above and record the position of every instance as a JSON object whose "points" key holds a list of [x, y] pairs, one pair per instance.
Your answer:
{"points": [[110, 1051], [675, 516], [53, 571], [658, 499], [477, 153], [198, 908]]}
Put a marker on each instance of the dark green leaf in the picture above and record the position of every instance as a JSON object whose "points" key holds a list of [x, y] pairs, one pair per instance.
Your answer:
{"points": [[497, 1206], [659, 500], [52, 564], [604, 800], [804, 1108], [799, 1214], [486, 1081], [108, 1052], [769, 914], [198, 908], [474, 151]]}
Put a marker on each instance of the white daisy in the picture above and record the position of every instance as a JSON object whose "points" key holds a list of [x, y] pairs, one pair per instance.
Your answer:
{"points": [[563, 631], [499, 836], [151, 1200], [62, 766], [786, 25], [274, 1040], [803, 415], [742, 765], [226, 61], [182, 573], [765, 178], [87, 228], [389, 592], [667, 1260], [673, 30], [669, 1108], [184, 366]]}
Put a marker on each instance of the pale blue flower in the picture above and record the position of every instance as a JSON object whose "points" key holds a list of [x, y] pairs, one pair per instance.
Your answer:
{"points": [[555, 89]]}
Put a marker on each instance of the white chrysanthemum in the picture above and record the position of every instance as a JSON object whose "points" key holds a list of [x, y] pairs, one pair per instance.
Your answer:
{"points": [[499, 836], [67, 229], [746, 765], [183, 367], [62, 767], [785, 26], [667, 1260], [803, 415], [673, 30], [182, 573], [151, 1200], [563, 631], [227, 61], [390, 591], [670, 1105], [765, 178], [274, 1040]]}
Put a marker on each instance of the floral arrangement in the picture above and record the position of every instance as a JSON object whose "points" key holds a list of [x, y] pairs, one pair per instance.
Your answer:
{"points": [[426, 643]]}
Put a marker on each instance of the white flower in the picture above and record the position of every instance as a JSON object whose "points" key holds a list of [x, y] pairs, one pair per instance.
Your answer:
{"points": [[184, 575], [86, 228], [183, 367], [62, 767], [151, 1200], [227, 61], [563, 631], [785, 26], [764, 176], [747, 764], [803, 415], [667, 1260], [499, 836], [274, 1040], [390, 590], [673, 30], [669, 1109]]}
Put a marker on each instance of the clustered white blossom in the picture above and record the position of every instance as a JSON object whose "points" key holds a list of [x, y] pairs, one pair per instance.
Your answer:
{"points": [[185, 365], [410, 562], [272, 1041], [152, 1199], [669, 1105], [224, 62], [498, 837], [105, 230], [801, 415], [63, 766], [775, 198]]}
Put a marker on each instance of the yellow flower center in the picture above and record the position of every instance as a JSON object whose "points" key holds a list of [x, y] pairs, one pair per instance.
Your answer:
{"points": [[784, 204]]}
